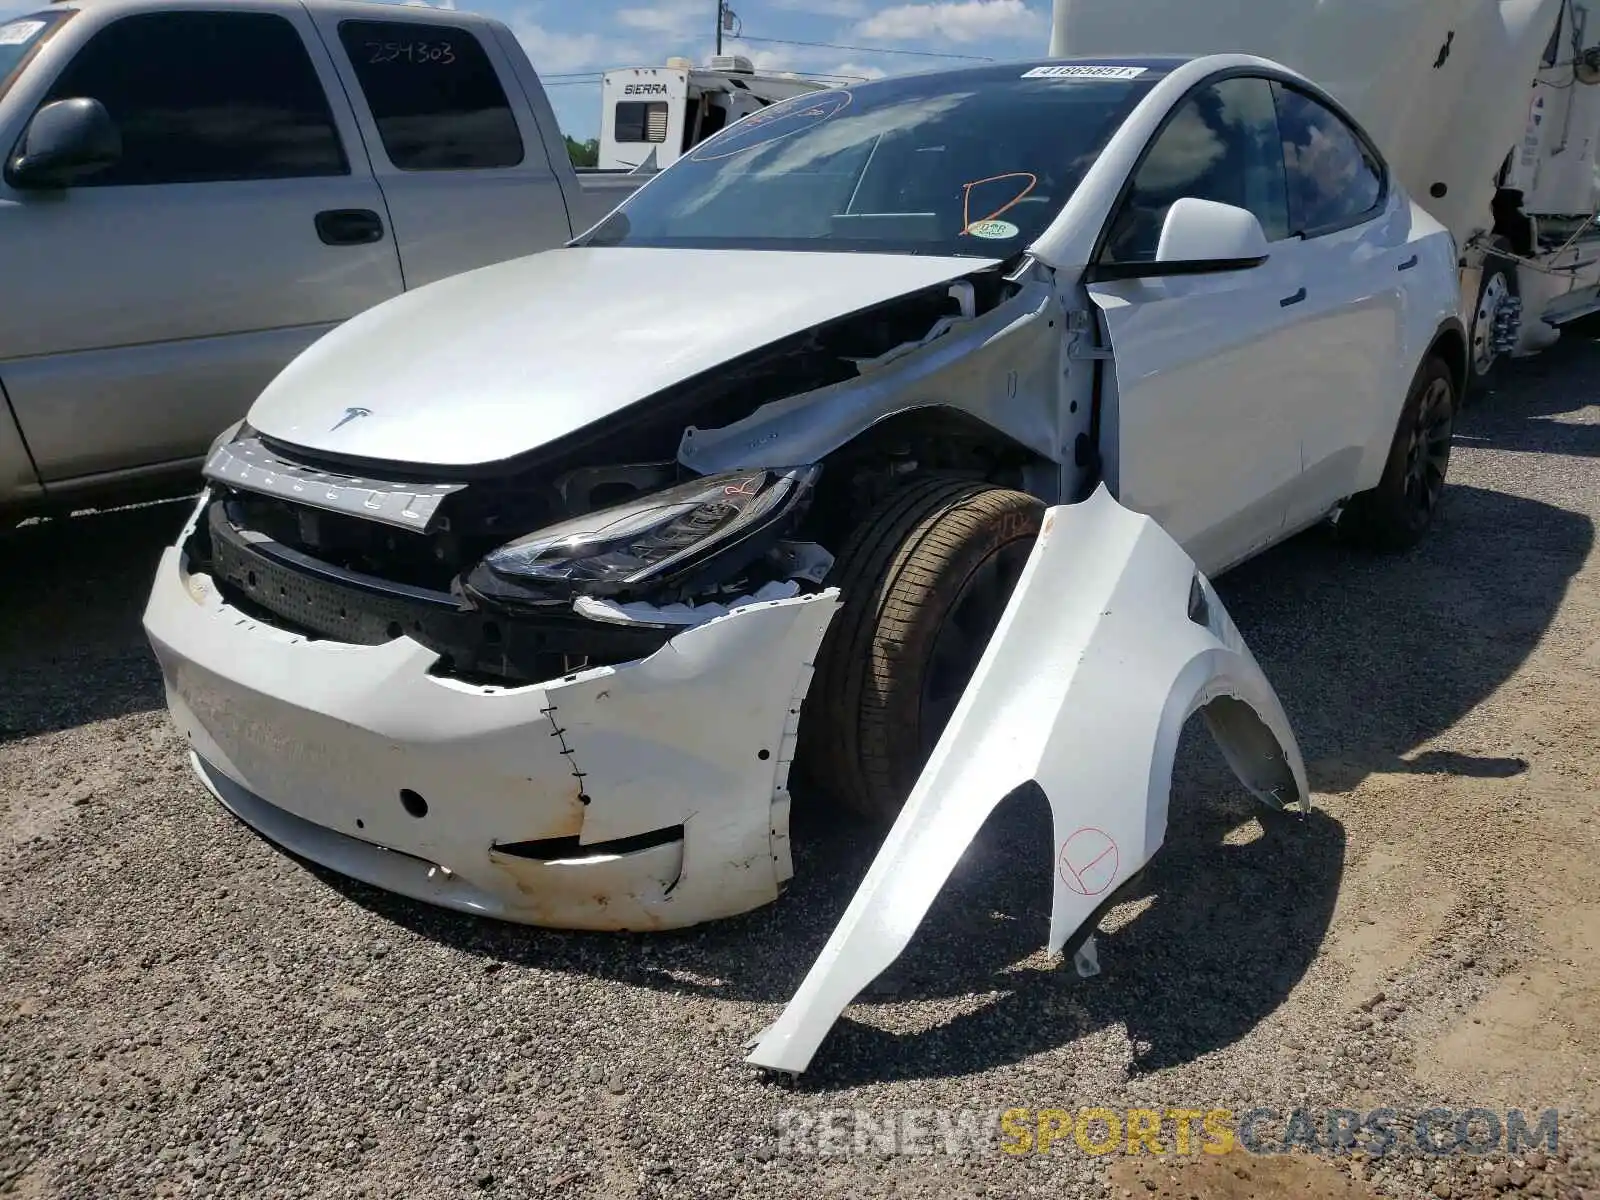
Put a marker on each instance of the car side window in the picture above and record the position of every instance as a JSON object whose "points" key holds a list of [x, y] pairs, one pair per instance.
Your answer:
{"points": [[1220, 144], [1334, 179], [434, 94], [206, 97]]}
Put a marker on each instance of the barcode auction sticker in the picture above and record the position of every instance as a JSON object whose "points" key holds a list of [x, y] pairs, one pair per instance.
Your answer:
{"points": [[18, 32], [1083, 71]]}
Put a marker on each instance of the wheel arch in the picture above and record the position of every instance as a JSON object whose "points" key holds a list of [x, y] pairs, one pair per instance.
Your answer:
{"points": [[1451, 344], [917, 441], [933, 423]]}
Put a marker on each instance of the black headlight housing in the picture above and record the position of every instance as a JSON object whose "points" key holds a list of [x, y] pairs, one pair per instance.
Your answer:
{"points": [[693, 534]]}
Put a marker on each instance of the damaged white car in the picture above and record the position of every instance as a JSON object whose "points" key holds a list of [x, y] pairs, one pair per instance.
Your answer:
{"points": [[522, 593]]}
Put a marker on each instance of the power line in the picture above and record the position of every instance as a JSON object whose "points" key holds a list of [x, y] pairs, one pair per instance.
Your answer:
{"points": [[862, 49], [582, 78]]}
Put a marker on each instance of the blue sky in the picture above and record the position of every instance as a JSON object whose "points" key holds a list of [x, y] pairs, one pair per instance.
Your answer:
{"points": [[571, 41]]}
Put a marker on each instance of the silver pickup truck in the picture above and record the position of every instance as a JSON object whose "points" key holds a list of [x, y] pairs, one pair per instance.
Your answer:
{"points": [[195, 191]]}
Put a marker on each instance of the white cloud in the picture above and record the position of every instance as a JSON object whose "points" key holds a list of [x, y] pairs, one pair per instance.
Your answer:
{"points": [[855, 70], [676, 19], [823, 8], [763, 59], [956, 21], [556, 53], [812, 60]]}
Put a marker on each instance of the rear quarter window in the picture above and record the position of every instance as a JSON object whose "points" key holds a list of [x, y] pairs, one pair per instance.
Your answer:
{"points": [[1334, 180], [434, 95]]}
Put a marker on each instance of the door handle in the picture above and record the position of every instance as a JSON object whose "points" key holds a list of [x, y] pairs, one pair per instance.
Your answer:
{"points": [[1294, 299], [1409, 263], [349, 226]]}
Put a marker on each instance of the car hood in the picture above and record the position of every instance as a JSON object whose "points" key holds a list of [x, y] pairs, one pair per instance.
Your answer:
{"points": [[492, 363]]}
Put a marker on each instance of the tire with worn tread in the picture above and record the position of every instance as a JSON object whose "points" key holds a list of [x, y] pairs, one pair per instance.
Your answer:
{"points": [[935, 549], [1396, 513]]}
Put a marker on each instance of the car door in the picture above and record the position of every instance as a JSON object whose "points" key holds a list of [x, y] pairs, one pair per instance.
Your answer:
{"points": [[1352, 246], [152, 301], [463, 169], [1204, 443]]}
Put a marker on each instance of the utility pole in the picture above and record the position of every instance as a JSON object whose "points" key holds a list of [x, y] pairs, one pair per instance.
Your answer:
{"points": [[721, 8]]}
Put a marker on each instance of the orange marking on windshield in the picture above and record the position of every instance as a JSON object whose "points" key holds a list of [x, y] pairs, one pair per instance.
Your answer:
{"points": [[966, 198]]}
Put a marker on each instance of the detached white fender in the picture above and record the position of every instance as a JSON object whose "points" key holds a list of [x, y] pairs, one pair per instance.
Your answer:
{"points": [[1111, 641]]}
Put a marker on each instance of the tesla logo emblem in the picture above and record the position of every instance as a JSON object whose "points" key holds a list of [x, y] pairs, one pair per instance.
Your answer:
{"points": [[350, 414]]}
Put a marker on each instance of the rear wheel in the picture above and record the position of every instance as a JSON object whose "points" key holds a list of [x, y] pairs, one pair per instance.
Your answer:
{"points": [[1395, 514], [924, 579]]}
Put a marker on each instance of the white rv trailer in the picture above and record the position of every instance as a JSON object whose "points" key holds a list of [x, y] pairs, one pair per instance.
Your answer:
{"points": [[664, 111], [1488, 111]]}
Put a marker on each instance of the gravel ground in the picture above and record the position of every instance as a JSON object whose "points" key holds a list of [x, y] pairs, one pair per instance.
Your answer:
{"points": [[188, 1012]]}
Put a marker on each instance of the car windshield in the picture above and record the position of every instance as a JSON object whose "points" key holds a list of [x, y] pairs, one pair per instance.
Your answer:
{"points": [[974, 162], [18, 38]]}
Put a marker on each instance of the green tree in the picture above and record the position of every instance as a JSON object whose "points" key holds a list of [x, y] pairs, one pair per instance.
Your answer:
{"points": [[582, 154]]}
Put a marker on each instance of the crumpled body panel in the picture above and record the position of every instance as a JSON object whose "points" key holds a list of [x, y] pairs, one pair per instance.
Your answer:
{"points": [[1111, 641], [648, 795]]}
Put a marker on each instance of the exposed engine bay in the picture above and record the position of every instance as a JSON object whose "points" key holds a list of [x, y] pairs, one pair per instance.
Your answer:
{"points": [[469, 562]]}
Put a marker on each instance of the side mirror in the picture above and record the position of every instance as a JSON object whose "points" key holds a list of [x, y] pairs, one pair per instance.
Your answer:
{"points": [[67, 140], [1201, 236], [1198, 237]]}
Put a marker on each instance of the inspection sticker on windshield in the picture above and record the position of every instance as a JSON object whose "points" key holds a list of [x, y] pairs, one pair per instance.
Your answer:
{"points": [[1083, 71], [994, 230], [18, 32]]}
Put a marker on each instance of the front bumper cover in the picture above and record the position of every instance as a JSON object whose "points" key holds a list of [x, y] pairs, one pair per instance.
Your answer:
{"points": [[653, 794], [555, 804]]}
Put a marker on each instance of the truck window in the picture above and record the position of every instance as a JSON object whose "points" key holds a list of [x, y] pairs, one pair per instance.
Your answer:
{"points": [[206, 97], [20, 38], [1221, 144], [641, 121], [1335, 180], [434, 94]]}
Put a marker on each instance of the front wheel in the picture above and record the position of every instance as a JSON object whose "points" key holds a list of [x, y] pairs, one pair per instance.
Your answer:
{"points": [[1495, 321], [1395, 514], [924, 579]]}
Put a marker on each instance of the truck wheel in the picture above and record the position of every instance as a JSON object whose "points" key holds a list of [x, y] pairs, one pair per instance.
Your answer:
{"points": [[1395, 514], [1498, 300], [924, 580]]}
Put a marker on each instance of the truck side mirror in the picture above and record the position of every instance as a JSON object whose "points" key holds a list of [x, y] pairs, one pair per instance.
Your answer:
{"points": [[67, 140]]}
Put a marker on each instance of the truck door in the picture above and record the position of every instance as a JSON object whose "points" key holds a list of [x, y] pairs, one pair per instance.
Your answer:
{"points": [[152, 301], [1204, 440], [1353, 253], [465, 171]]}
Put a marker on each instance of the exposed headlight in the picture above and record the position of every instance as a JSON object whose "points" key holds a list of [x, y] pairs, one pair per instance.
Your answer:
{"points": [[653, 539]]}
